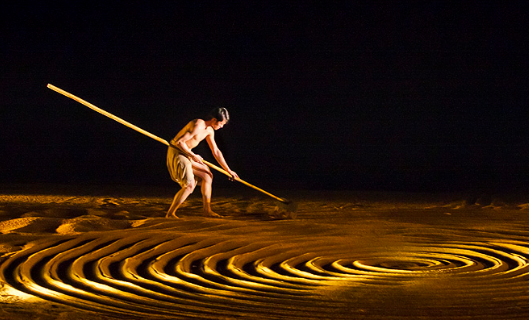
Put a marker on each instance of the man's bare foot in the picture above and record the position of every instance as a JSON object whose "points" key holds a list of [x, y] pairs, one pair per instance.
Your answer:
{"points": [[174, 216], [212, 214]]}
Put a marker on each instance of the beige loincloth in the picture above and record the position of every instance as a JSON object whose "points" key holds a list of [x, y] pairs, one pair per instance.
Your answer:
{"points": [[180, 167]]}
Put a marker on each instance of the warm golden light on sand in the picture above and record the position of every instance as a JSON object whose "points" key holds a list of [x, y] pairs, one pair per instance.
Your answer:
{"points": [[342, 258], [11, 295]]}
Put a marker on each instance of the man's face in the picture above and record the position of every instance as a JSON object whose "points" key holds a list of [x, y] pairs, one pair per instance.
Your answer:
{"points": [[218, 124]]}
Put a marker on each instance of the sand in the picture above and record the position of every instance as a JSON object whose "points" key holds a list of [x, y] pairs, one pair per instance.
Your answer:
{"points": [[108, 253]]}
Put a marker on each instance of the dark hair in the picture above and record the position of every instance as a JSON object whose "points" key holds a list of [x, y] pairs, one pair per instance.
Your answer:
{"points": [[220, 114]]}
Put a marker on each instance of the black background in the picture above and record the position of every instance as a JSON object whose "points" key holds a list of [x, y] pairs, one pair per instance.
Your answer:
{"points": [[405, 96]]}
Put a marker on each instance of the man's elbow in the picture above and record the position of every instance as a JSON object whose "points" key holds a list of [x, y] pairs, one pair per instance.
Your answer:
{"points": [[181, 145], [217, 153]]}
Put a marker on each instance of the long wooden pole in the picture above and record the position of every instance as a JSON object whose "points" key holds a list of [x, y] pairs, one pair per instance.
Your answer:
{"points": [[150, 135]]}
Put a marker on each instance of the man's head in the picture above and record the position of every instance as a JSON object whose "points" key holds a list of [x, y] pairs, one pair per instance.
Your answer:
{"points": [[221, 116]]}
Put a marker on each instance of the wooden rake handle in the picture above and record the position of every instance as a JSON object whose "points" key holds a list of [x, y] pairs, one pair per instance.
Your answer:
{"points": [[150, 135], [211, 165]]}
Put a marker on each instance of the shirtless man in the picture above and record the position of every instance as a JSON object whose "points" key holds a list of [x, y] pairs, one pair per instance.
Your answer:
{"points": [[187, 168]]}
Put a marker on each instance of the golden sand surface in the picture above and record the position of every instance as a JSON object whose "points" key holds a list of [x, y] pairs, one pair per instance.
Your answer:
{"points": [[96, 253]]}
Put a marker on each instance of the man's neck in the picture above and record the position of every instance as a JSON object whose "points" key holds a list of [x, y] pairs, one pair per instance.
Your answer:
{"points": [[209, 123]]}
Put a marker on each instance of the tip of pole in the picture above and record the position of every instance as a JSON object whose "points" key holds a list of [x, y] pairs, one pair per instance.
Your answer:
{"points": [[290, 206]]}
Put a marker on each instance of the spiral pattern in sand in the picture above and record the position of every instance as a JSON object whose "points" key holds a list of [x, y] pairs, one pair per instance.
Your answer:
{"points": [[175, 274]]}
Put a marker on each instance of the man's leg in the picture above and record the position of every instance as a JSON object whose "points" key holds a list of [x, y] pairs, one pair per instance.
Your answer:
{"points": [[179, 198], [181, 171], [206, 198], [206, 178]]}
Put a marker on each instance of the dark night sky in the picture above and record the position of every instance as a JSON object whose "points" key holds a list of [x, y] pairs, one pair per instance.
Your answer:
{"points": [[371, 95]]}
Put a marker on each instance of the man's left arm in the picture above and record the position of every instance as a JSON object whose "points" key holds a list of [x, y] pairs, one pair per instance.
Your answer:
{"points": [[218, 155]]}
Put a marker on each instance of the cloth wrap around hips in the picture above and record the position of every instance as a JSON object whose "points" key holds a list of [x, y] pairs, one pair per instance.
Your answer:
{"points": [[180, 167]]}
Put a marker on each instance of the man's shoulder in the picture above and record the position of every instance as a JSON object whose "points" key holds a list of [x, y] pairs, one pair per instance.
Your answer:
{"points": [[199, 123]]}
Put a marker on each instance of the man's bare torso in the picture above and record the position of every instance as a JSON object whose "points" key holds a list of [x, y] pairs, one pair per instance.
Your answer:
{"points": [[193, 133]]}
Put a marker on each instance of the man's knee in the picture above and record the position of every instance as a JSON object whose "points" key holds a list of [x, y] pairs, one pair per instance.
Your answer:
{"points": [[208, 178], [190, 186]]}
